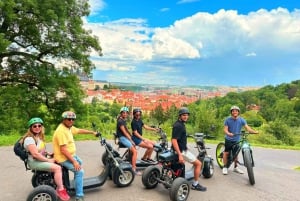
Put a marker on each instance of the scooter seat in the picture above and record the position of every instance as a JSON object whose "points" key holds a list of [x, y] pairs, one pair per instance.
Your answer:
{"points": [[168, 156]]}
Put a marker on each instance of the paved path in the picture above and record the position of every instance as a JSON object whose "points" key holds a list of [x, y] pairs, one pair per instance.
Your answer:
{"points": [[275, 179]]}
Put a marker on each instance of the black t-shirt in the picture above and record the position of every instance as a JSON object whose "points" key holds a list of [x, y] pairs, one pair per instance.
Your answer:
{"points": [[121, 122], [179, 133], [137, 125]]}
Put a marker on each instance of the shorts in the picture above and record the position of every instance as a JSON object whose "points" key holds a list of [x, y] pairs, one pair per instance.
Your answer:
{"points": [[125, 142], [39, 165], [229, 145], [188, 156], [136, 140]]}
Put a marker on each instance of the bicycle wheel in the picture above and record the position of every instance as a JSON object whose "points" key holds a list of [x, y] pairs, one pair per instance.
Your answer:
{"points": [[249, 166], [219, 154]]}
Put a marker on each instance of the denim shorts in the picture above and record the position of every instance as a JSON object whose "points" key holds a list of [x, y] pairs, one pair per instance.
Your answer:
{"points": [[124, 140]]}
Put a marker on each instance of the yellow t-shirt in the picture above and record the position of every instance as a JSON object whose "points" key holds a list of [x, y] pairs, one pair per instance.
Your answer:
{"points": [[63, 136]]}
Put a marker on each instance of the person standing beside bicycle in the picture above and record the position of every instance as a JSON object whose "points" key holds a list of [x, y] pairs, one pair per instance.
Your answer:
{"points": [[137, 126], [125, 137], [179, 144], [233, 125]]}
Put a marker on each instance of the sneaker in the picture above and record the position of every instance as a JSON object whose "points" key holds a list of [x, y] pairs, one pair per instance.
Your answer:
{"points": [[63, 195], [138, 173], [145, 160], [198, 187], [238, 170], [225, 171], [151, 160], [79, 199]]}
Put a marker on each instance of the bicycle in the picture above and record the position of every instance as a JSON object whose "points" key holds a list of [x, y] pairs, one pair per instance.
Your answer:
{"points": [[242, 145]]}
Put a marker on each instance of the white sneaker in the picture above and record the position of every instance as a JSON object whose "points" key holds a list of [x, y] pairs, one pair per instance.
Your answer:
{"points": [[238, 170], [225, 171]]}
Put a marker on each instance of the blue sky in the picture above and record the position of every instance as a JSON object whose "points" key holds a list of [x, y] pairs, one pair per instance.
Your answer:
{"points": [[197, 42]]}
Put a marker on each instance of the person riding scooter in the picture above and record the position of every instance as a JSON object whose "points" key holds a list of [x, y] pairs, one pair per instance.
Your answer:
{"points": [[137, 126], [65, 149], [125, 137]]}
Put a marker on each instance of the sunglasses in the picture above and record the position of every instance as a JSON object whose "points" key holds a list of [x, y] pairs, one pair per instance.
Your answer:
{"points": [[37, 126], [71, 119]]}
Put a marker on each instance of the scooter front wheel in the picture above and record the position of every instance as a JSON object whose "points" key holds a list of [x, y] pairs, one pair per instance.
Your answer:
{"points": [[219, 154], [125, 179], [42, 192], [208, 169], [104, 158]]}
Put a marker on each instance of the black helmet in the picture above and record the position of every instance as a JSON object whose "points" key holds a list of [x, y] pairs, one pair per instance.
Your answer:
{"points": [[135, 110], [183, 110]]}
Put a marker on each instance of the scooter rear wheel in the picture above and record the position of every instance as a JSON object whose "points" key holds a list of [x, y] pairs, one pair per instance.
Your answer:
{"points": [[150, 176], [179, 190], [42, 192]]}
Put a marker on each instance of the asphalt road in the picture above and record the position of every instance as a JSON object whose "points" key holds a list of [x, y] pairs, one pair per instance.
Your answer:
{"points": [[275, 179]]}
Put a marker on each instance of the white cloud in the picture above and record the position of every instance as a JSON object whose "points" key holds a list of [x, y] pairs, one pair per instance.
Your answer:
{"points": [[129, 43], [96, 6]]}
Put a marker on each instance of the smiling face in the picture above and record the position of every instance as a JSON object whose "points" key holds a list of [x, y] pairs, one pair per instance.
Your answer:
{"points": [[68, 122], [184, 117], [36, 128], [235, 113]]}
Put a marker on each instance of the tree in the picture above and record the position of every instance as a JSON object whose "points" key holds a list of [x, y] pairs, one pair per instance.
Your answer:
{"points": [[36, 36]]}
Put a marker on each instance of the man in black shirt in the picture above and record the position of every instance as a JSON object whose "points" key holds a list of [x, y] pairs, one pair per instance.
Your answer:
{"points": [[179, 144]]}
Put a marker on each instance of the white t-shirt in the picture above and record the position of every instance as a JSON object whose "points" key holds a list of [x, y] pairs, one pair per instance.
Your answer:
{"points": [[40, 146]]}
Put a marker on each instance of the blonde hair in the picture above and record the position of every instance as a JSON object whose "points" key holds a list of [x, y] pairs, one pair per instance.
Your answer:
{"points": [[29, 133]]}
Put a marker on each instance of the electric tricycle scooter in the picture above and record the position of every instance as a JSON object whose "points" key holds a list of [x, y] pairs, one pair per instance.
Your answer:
{"points": [[207, 169], [170, 173], [121, 174], [161, 146]]}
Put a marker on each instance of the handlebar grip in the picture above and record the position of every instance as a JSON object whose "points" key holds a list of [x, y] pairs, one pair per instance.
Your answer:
{"points": [[98, 134]]}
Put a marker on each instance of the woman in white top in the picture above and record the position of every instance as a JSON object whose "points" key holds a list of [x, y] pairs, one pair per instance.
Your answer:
{"points": [[37, 160]]}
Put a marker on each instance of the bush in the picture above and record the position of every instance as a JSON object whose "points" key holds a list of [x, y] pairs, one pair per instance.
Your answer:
{"points": [[281, 132]]}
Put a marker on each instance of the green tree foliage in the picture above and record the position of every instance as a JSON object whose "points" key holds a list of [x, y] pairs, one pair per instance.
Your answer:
{"points": [[281, 131], [43, 49], [158, 114]]}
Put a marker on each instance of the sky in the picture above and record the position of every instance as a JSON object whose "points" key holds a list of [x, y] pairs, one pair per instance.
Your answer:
{"points": [[196, 42]]}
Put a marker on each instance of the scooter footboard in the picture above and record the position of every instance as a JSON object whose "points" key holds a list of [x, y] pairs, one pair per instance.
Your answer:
{"points": [[125, 165]]}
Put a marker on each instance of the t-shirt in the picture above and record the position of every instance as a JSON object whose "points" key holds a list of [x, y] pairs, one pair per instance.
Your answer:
{"points": [[234, 126], [64, 136], [179, 133], [121, 122], [137, 125], [41, 147]]}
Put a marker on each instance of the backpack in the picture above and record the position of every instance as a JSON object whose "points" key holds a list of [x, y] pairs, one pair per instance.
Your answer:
{"points": [[21, 151]]}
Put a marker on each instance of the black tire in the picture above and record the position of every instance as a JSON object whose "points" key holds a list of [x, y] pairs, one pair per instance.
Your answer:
{"points": [[125, 179], [150, 176], [219, 154], [104, 158], [43, 178], [249, 166], [42, 192], [179, 190], [208, 169]]}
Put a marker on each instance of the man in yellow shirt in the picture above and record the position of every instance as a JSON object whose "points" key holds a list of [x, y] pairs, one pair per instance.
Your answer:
{"points": [[65, 149]]}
